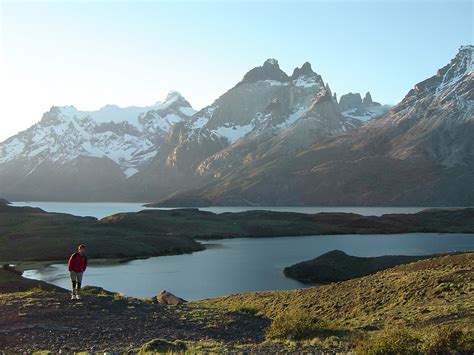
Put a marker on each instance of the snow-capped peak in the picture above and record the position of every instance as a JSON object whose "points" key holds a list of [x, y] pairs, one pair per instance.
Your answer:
{"points": [[461, 65], [129, 136], [173, 95], [271, 61], [449, 76]]}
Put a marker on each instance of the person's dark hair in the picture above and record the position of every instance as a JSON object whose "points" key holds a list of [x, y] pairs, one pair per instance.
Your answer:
{"points": [[81, 246]]}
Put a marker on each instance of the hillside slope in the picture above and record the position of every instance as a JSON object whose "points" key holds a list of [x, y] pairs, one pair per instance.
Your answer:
{"points": [[424, 293]]}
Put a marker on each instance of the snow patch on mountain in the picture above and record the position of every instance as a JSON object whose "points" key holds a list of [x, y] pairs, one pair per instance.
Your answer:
{"points": [[235, 132], [293, 117], [275, 83], [366, 114], [188, 111], [109, 113], [459, 67], [306, 82], [129, 136]]}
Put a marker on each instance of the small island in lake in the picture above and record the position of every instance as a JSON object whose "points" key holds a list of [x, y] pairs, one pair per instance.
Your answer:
{"points": [[335, 266]]}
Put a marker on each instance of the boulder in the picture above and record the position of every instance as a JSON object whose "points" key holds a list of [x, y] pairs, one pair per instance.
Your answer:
{"points": [[165, 297]]}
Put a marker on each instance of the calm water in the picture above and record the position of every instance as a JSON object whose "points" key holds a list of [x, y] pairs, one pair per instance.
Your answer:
{"points": [[245, 264], [102, 209]]}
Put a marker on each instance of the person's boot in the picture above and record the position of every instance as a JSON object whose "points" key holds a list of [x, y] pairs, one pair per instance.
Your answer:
{"points": [[78, 296], [73, 294]]}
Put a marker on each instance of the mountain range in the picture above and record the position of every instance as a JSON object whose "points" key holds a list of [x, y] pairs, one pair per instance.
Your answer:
{"points": [[272, 139]]}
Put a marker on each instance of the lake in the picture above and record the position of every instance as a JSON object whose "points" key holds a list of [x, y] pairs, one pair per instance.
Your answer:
{"points": [[245, 264], [103, 209]]}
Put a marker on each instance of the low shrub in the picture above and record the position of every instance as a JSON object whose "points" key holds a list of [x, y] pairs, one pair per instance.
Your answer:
{"points": [[447, 340], [296, 325], [247, 310], [396, 341], [118, 296]]}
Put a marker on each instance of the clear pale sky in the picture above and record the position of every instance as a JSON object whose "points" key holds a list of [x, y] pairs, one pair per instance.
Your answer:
{"points": [[92, 53]]}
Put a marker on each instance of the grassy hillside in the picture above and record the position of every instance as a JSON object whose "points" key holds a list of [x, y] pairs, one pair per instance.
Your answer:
{"points": [[200, 224], [338, 266], [421, 294], [31, 234]]}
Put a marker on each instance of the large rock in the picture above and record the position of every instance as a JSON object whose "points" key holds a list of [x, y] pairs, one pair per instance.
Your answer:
{"points": [[165, 297]]}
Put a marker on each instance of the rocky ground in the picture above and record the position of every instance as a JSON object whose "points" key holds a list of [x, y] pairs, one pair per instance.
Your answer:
{"points": [[49, 320]]}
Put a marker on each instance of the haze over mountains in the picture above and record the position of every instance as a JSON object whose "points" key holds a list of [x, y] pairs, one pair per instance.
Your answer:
{"points": [[272, 139]]}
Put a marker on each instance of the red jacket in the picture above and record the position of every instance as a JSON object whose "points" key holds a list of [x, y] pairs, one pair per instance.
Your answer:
{"points": [[77, 263]]}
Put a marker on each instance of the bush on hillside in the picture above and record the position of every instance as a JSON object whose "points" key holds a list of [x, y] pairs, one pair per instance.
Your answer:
{"points": [[397, 341], [296, 325], [447, 340], [438, 340]]}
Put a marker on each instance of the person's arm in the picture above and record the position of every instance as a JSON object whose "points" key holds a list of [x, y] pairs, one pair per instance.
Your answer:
{"points": [[85, 263], [71, 261]]}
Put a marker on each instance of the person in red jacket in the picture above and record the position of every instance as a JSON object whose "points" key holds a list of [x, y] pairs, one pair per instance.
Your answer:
{"points": [[77, 265]]}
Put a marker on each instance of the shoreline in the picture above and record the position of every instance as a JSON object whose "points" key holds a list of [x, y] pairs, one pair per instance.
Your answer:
{"points": [[23, 266]]}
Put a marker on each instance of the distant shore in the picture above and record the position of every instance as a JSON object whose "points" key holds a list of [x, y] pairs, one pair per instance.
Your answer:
{"points": [[32, 235]]}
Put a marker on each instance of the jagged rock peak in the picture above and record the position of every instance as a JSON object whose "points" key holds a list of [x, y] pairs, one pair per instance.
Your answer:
{"points": [[305, 70], [350, 101], [53, 110], [173, 94], [466, 52], [460, 66], [174, 100], [368, 99], [323, 96], [271, 61], [270, 70]]}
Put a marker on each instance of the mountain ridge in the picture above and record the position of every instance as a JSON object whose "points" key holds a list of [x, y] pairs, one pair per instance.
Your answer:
{"points": [[270, 132], [418, 153]]}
